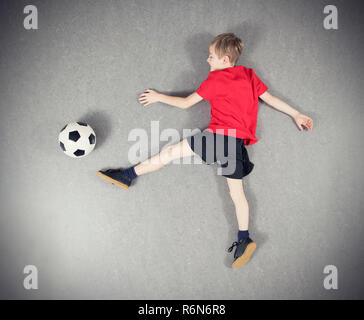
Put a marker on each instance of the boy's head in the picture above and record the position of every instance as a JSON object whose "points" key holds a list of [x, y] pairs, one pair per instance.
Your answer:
{"points": [[224, 51]]}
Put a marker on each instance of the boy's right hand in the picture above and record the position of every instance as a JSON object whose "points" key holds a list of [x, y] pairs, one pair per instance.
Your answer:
{"points": [[148, 97]]}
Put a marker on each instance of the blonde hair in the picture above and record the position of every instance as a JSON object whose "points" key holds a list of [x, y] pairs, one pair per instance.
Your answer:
{"points": [[228, 44]]}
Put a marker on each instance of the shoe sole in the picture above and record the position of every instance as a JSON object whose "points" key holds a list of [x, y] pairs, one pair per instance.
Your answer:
{"points": [[115, 182], [244, 258]]}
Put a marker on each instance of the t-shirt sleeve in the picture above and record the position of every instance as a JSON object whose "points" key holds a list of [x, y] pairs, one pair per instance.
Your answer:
{"points": [[206, 89], [259, 84]]}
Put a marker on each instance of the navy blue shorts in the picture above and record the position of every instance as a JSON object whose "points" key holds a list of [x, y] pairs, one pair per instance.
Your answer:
{"points": [[229, 151]]}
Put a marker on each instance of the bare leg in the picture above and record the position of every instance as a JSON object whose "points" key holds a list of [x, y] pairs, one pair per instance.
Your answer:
{"points": [[179, 150], [240, 202]]}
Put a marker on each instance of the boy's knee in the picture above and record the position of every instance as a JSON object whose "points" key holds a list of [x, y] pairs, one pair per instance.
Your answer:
{"points": [[175, 151], [169, 153]]}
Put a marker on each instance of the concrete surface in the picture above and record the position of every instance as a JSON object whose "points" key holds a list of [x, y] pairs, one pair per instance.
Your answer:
{"points": [[166, 237]]}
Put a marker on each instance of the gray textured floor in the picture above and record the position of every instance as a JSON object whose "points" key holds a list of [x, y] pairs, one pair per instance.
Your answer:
{"points": [[165, 238]]}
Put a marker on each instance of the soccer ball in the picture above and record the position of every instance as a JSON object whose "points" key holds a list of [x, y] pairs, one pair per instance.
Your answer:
{"points": [[77, 139]]}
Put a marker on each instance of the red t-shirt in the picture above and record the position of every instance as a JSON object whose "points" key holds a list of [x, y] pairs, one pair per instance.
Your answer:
{"points": [[233, 94]]}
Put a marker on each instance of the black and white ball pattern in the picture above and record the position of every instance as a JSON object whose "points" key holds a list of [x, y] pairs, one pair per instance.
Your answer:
{"points": [[77, 139]]}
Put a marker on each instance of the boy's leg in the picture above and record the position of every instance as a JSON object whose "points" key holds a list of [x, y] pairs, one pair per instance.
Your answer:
{"points": [[176, 151], [240, 202], [123, 178], [244, 246]]}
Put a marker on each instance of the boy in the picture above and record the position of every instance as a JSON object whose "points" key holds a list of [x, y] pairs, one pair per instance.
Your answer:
{"points": [[233, 93]]}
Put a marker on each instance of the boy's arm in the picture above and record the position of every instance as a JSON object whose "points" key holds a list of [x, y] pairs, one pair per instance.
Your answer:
{"points": [[183, 103], [278, 104], [301, 120], [151, 96], [178, 102]]}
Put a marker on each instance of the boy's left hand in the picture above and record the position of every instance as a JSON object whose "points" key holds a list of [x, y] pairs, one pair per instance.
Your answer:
{"points": [[302, 120], [149, 96]]}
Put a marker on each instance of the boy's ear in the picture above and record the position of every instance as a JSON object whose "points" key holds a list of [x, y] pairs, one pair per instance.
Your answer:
{"points": [[226, 59]]}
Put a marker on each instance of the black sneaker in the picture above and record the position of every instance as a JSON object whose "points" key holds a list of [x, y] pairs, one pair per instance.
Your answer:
{"points": [[244, 249], [116, 177]]}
